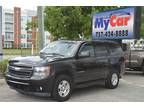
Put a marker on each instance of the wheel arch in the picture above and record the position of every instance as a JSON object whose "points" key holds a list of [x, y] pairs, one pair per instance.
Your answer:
{"points": [[65, 72]]}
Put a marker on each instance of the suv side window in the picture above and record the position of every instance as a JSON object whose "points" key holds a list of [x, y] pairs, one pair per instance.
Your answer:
{"points": [[100, 51], [115, 49], [87, 48]]}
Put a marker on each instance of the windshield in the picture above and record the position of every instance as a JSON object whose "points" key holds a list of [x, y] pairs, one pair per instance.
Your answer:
{"points": [[61, 48]]}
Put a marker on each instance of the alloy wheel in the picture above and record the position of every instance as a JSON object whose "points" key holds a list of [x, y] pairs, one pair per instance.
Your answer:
{"points": [[63, 88]]}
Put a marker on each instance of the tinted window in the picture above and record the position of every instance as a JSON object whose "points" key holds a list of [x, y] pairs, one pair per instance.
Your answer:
{"points": [[100, 51], [115, 49], [87, 47]]}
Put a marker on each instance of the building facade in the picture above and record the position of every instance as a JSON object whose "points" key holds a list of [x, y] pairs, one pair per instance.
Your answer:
{"points": [[1, 33], [8, 28], [28, 36], [14, 33], [17, 27]]}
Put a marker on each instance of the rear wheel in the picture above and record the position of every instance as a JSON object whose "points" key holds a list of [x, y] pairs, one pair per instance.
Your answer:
{"points": [[62, 88], [112, 80], [143, 68], [122, 69]]}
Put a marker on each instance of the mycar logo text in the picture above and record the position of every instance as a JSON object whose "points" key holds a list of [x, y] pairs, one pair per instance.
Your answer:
{"points": [[112, 21]]}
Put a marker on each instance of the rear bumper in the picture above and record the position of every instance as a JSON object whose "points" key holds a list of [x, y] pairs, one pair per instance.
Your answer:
{"points": [[32, 87]]}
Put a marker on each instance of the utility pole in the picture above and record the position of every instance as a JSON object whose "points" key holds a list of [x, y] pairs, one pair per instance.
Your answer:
{"points": [[1, 52], [40, 13]]}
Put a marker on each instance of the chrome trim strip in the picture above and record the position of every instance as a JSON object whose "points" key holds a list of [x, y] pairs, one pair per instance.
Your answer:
{"points": [[19, 78], [20, 68], [18, 82]]}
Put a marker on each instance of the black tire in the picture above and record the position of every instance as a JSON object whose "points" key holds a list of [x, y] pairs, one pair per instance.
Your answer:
{"points": [[109, 83], [122, 69], [55, 93], [142, 68]]}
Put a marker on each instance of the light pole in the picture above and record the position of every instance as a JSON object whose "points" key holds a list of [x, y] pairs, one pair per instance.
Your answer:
{"points": [[41, 25], [17, 29]]}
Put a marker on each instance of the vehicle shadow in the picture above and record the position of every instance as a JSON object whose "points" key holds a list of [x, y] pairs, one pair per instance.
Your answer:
{"points": [[32, 98], [88, 91], [76, 93]]}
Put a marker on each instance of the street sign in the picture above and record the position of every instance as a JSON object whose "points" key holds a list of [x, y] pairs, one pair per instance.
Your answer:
{"points": [[117, 24]]}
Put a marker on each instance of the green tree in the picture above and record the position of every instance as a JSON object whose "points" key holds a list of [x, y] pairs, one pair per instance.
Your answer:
{"points": [[69, 22], [32, 24]]}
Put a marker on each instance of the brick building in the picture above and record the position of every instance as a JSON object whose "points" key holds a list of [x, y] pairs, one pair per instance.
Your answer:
{"points": [[14, 33]]}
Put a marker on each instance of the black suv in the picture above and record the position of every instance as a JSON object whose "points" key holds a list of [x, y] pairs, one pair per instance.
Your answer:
{"points": [[65, 65]]}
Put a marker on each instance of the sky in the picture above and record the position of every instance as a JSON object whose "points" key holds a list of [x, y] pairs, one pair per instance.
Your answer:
{"points": [[24, 4], [32, 4]]}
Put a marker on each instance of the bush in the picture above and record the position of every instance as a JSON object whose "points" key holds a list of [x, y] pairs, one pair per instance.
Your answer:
{"points": [[3, 66]]}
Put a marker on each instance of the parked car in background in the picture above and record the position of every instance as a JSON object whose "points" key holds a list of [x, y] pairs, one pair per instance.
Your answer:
{"points": [[134, 58], [65, 65]]}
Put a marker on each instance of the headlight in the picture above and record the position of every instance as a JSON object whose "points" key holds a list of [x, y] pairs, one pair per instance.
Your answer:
{"points": [[41, 73]]}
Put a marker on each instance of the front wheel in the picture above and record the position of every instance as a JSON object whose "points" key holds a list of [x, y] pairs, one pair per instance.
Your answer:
{"points": [[62, 88], [112, 80]]}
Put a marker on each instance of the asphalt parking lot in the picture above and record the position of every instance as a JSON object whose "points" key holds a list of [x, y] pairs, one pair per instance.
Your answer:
{"points": [[130, 89]]}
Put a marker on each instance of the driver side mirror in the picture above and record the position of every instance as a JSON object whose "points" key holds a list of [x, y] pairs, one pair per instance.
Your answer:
{"points": [[84, 54]]}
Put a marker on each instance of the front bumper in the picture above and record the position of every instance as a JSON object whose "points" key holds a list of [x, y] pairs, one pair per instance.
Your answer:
{"points": [[33, 87]]}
